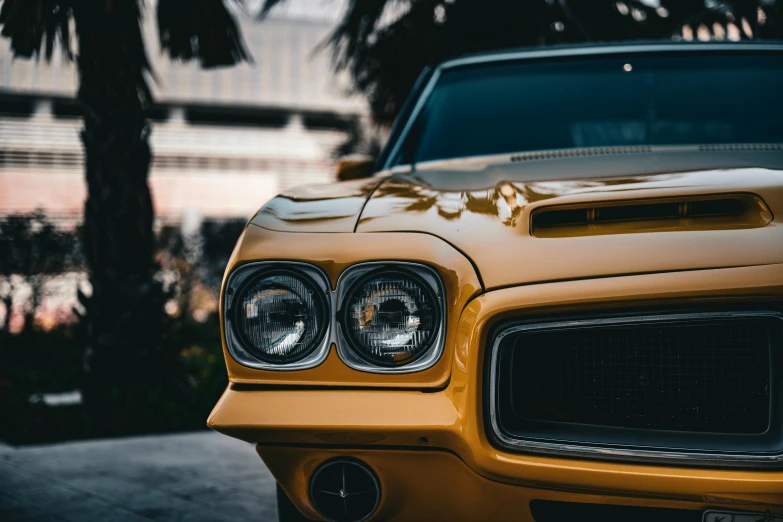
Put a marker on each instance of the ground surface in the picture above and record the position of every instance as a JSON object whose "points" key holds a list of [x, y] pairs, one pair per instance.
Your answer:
{"points": [[193, 477]]}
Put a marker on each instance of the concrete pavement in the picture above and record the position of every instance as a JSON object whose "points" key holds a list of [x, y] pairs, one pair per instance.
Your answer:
{"points": [[191, 477]]}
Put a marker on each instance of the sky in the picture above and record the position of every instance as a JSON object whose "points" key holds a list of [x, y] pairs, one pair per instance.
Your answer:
{"points": [[303, 9]]}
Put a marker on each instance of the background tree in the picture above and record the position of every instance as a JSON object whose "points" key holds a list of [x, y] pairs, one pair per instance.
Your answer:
{"points": [[193, 260], [127, 356], [385, 44], [32, 250]]}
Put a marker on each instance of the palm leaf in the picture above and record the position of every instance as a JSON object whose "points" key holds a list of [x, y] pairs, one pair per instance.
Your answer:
{"points": [[268, 6], [204, 30], [33, 24]]}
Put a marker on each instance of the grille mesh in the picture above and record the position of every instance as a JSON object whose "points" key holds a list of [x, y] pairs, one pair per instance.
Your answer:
{"points": [[699, 377]]}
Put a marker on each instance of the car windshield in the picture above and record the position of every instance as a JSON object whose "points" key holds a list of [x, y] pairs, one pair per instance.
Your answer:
{"points": [[599, 102]]}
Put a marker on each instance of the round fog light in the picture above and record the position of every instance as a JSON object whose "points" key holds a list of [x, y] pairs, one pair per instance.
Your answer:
{"points": [[345, 490]]}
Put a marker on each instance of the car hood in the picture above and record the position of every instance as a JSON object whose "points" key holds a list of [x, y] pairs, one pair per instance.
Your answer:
{"points": [[333, 207], [484, 211]]}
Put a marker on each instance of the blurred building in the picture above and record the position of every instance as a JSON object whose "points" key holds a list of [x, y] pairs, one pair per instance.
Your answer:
{"points": [[224, 141]]}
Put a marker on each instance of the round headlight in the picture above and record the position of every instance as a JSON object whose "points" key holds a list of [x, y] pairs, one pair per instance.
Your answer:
{"points": [[391, 318], [280, 317]]}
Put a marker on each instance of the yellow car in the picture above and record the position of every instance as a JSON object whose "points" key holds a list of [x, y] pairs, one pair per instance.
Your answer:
{"points": [[555, 295]]}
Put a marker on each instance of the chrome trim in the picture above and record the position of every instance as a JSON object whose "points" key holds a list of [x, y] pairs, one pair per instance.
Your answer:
{"points": [[565, 52], [425, 94], [356, 272], [615, 451], [610, 49], [235, 347]]}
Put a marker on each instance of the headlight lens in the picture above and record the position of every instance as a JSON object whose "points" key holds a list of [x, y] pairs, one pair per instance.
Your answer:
{"points": [[391, 318], [280, 317]]}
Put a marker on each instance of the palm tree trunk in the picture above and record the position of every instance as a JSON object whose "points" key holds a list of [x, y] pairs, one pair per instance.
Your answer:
{"points": [[127, 362], [8, 303]]}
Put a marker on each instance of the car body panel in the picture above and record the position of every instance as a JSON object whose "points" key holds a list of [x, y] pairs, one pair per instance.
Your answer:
{"points": [[485, 213], [333, 253], [332, 207], [382, 422], [420, 484], [425, 434]]}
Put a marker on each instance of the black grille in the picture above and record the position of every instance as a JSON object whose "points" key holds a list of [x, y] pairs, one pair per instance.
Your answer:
{"points": [[703, 376]]}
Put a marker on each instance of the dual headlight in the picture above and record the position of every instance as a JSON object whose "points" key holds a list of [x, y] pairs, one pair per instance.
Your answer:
{"points": [[384, 317]]}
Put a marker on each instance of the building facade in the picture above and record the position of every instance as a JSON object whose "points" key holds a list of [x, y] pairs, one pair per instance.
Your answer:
{"points": [[224, 140]]}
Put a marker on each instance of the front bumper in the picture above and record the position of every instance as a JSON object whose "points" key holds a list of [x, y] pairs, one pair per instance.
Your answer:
{"points": [[429, 463], [429, 446], [437, 485]]}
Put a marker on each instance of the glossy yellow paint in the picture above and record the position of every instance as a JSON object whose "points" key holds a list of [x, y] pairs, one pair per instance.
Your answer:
{"points": [[470, 220], [491, 225], [429, 447], [318, 208], [333, 253], [484, 212], [437, 485]]}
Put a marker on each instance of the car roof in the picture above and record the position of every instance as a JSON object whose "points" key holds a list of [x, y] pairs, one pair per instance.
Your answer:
{"points": [[612, 48]]}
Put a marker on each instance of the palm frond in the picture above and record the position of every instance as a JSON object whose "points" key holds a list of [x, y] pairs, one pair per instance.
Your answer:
{"points": [[203, 30], [33, 24], [385, 59], [356, 27], [268, 6]]}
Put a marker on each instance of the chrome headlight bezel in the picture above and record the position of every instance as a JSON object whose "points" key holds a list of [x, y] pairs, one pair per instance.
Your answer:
{"points": [[246, 274], [350, 281]]}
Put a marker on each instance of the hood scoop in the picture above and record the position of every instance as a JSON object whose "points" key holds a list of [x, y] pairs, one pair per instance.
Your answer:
{"points": [[724, 211]]}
